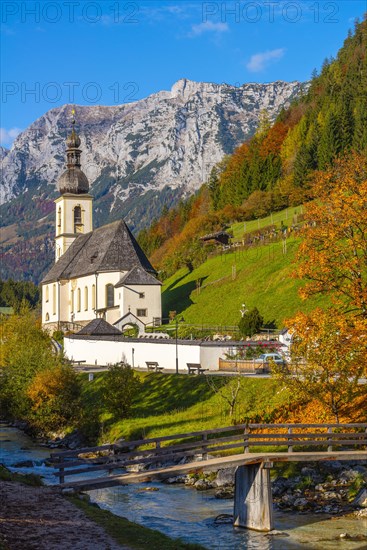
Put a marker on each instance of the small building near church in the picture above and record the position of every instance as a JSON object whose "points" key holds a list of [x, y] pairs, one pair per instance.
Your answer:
{"points": [[100, 273]]}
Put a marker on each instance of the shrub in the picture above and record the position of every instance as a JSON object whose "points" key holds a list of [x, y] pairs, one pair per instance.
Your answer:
{"points": [[251, 323], [58, 335], [25, 351], [120, 386], [55, 398]]}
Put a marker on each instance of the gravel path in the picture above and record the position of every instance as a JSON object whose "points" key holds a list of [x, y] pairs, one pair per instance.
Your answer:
{"points": [[36, 518]]}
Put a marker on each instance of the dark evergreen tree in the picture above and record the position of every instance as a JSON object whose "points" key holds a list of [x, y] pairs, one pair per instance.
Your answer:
{"points": [[360, 125], [302, 165], [331, 140], [214, 187], [251, 323], [17, 293], [346, 120]]}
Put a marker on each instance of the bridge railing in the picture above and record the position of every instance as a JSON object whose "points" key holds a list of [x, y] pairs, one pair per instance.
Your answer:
{"points": [[244, 437]]}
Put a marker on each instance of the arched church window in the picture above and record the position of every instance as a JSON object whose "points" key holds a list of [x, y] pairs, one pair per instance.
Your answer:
{"points": [[72, 300], [47, 317], [110, 296], [93, 296], [47, 297], [54, 299], [78, 299], [85, 298], [78, 224]]}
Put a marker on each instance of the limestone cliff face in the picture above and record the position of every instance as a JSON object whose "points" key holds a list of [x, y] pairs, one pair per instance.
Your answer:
{"points": [[168, 139], [3, 152], [137, 156]]}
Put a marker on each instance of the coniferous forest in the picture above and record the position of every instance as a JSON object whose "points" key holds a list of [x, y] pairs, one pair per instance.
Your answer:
{"points": [[275, 168]]}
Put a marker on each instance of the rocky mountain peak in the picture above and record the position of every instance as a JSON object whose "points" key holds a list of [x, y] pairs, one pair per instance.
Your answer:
{"points": [[3, 152], [136, 156]]}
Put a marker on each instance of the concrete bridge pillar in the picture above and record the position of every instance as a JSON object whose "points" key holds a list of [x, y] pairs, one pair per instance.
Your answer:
{"points": [[253, 503]]}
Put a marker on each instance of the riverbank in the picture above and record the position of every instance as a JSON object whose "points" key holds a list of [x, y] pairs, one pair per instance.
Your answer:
{"points": [[35, 517], [180, 511], [330, 487]]}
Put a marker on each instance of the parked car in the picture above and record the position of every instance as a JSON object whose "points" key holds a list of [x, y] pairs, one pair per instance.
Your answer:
{"points": [[267, 357]]}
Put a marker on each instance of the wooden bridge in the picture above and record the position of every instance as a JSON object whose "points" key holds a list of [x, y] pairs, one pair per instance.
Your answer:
{"points": [[253, 498]]}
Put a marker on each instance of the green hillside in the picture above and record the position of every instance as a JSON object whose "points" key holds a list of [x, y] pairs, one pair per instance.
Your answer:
{"points": [[171, 404], [275, 169], [285, 217], [263, 278]]}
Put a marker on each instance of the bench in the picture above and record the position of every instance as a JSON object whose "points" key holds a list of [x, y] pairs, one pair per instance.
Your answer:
{"points": [[79, 362], [153, 365], [195, 368]]}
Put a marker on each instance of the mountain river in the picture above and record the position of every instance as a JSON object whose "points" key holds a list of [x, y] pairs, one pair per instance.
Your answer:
{"points": [[183, 512]]}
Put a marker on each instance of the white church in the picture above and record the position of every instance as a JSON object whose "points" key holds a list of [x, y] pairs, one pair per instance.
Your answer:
{"points": [[100, 273]]}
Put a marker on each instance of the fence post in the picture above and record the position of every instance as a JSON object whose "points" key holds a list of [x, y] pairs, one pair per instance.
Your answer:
{"points": [[246, 439], [205, 454], [330, 447], [157, 447], [290, 440]]}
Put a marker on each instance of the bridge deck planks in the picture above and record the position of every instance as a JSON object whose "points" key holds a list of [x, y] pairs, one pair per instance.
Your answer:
{"points": [[202, 466]]}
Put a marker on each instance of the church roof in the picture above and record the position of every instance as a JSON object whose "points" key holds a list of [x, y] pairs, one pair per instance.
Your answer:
{"points": [[99, 327], [109, 248], [137, 276]]}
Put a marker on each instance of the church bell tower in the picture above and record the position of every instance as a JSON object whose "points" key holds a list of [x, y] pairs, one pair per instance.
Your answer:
{"points": [[74, 208]]}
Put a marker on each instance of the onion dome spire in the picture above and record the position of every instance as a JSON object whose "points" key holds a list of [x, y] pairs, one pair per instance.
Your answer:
{"points": [[73, 141], [73, 180]]}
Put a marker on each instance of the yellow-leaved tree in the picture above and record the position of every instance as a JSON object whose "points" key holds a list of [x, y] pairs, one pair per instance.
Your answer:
{"points": [[329, 357], [36, 384], [333, 255], [25, 349], [54, 395], [330, 345]]}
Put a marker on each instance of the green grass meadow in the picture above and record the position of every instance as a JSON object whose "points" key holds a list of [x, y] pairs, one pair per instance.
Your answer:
{"points": [[170, 404], [287, 217], [259, 277]]}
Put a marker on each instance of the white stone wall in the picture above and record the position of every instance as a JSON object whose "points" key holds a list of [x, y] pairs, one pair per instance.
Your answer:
{"points": [[65, 304], [124, 298], [151, 301], [86, 312], [103, 352], [67, 204], [65, 220], [210, 355], [50, 303], [104, 279]]}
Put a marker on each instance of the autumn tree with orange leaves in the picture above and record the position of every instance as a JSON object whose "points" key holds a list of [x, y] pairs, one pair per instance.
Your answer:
{"points": [[329, 356], [329, 353], [54, 395], [333, 254]]}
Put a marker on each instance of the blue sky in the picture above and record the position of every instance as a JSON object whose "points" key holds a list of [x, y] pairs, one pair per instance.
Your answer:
{"points": [[112, 52]]}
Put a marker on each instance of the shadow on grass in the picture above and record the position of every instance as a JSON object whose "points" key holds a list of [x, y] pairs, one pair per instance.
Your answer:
{"points": [[176, 281], [270, 324], [178, 298], [170, 428], [180, 392]]}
